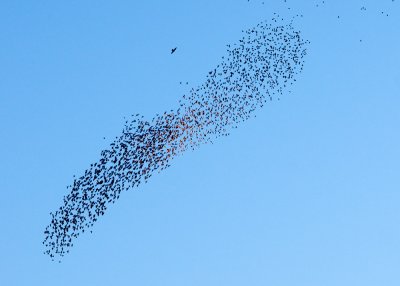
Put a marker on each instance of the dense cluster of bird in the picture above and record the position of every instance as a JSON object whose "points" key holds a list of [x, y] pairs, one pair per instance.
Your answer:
{"points": [[258, 67]]}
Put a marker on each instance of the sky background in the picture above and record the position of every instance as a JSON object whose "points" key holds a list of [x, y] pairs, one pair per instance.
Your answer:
{"points": [[306, 193]]}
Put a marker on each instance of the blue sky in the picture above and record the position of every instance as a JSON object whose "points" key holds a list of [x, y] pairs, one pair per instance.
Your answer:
{"points": [[307, 193]]}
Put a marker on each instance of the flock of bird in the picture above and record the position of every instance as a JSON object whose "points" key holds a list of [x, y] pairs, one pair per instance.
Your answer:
{"points": [[260, 66]]}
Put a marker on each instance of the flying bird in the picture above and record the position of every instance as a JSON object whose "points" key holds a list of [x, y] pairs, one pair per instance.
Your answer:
{"points": [[173, 50]]}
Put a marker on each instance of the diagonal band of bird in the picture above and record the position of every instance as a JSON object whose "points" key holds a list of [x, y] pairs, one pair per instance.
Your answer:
{"points": [[261, 65]]}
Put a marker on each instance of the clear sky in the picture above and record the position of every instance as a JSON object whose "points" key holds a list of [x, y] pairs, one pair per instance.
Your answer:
{"points": [[307, 193]]}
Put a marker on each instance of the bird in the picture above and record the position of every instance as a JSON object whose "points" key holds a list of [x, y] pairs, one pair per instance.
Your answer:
{"points": [[173, 50]]}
